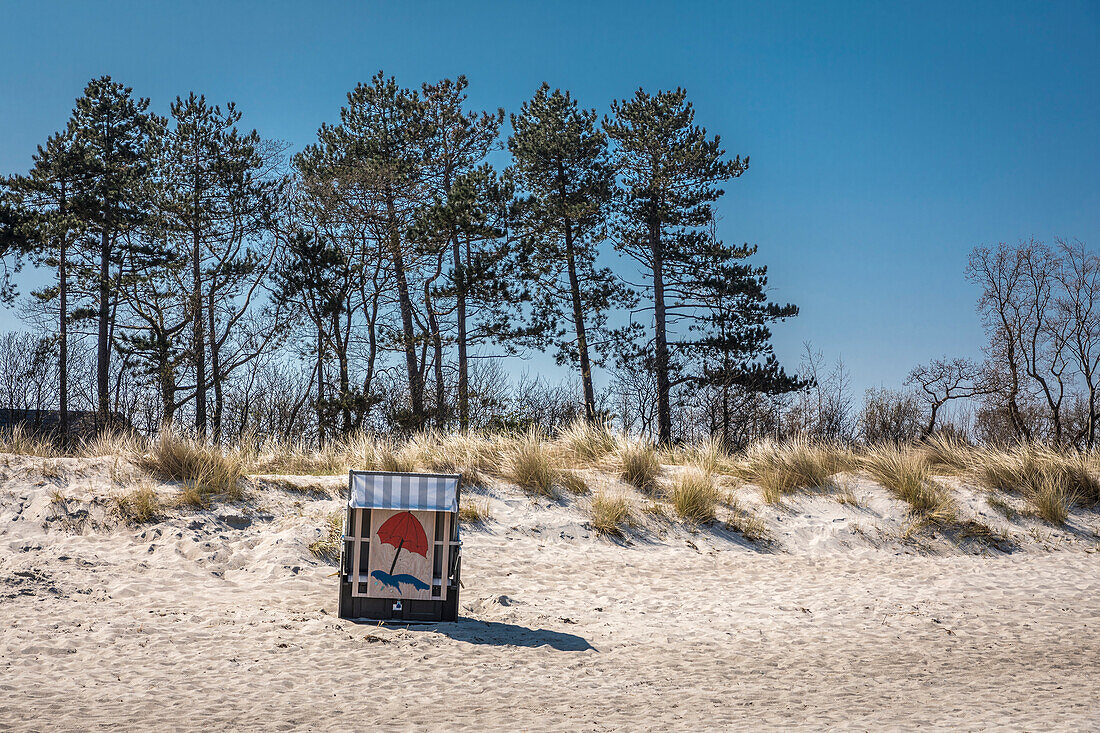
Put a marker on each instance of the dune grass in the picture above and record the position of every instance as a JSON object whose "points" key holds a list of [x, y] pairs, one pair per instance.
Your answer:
{"points": [[20, 442], [609, 513], [798, 465], [638, 463], [573, 482], [139, 506], [1049, 481], [907, 474], [327, 548], [694, 496], [474, 511], [206, 471], [846, 495], [745, 522], [127, 444], [946, 454], [529, 464], [1050, 498], [297, 459], [707, 455], [585, 444]]}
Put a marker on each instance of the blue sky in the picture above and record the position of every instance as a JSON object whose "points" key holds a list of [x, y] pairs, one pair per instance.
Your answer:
{"points": [[886, 139]]}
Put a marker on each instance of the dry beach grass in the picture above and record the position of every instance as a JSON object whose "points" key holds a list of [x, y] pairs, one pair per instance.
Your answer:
{"points": [[790, 586]]}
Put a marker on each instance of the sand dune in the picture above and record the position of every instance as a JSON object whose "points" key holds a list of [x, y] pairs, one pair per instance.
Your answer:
{"points": [[223, 619]]}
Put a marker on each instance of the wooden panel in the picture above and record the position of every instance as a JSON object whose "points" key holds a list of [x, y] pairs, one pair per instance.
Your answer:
{"points": [[445, 551], [397, 569], [357, 533]]}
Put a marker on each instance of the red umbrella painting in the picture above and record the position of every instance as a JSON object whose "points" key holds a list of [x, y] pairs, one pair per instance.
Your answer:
{"points": [[403, 531]]}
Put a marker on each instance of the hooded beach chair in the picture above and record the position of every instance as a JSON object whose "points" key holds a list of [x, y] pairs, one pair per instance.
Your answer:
{"points": [[400, 555]]}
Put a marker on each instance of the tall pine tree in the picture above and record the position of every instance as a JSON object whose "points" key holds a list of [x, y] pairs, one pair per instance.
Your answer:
{"points": [[709, 310], [561, 163], [49, 229], [459, 141], [374, 165], [212, 198], [113, 132]]}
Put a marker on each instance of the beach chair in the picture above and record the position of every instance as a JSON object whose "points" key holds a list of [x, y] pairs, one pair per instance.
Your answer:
{"points": [[400, 557]]}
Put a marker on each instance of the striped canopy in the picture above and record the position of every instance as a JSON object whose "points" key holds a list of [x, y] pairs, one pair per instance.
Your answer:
{"points": [[430, 492]]}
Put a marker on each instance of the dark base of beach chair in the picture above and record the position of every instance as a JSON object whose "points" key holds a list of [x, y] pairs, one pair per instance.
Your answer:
{"points": [[385, 609]]}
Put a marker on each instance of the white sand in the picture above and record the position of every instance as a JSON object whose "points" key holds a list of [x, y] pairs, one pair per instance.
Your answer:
{"points": [[192, 624]]}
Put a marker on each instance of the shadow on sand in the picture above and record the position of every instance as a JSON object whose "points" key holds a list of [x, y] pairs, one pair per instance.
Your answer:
{"points": [[496, 633]]}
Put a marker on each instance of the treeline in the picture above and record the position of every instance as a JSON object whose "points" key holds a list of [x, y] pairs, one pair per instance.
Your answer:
{"points": [[205, 279]]}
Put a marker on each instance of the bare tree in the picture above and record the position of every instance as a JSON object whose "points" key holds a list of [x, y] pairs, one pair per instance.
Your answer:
{"points": [[999, 273], [943, 380], [1078, 304]]}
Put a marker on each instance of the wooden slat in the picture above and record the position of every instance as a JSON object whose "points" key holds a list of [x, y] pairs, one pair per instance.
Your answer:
{"points": [[357, 542]]}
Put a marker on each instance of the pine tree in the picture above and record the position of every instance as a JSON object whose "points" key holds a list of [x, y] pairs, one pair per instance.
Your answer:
{"points": [[320, 280], [113, 132], [561, 163], [48, 229], [157, 315], [213, 197], [483, 290], [373, 163], [459, 142], [709, 310]]}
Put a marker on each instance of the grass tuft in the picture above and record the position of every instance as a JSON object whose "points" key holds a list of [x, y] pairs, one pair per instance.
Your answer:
{"points": [[908, 475], [585, 443], [128, 444], [746, 523], [694, 496], [707, 455], [327, 547], [638, 463], [1001, 506], [139, 506], [847, 496], [1049, 498], [573, 482], [947, 454], [780, 469], [609, 513], [474, 512], [206, 471], [17, 440], [530, 467]]}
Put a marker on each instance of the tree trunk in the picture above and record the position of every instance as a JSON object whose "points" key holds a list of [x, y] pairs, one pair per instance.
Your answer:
{"points": [[437, 351], [215, 372], [198, 338], [664, 407], [63, 328], [343, 373], [167, 387], [932, 420], [1091, 435], [320, 385], [103, 346], [1014, 381], [578, 322], [463, 374], [416, 385]]}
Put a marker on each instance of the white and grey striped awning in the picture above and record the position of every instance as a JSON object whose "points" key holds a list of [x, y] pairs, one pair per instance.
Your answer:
{"points": [[430, 492]]}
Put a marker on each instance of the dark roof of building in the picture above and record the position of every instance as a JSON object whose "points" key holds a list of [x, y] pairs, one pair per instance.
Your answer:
{"points": [[83, 423]]}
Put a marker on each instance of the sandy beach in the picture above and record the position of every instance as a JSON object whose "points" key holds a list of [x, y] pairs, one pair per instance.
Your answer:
{"points": [[223, 619]]}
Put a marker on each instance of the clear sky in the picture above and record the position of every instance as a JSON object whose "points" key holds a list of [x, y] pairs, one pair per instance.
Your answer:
{"points": [[886, 139]]}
